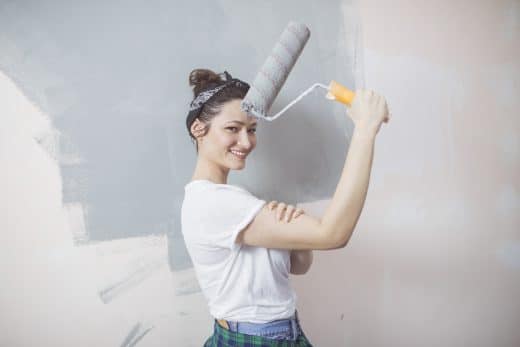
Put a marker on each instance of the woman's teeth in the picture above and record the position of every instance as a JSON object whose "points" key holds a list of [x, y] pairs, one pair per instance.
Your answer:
{"points": [[239, 154]]}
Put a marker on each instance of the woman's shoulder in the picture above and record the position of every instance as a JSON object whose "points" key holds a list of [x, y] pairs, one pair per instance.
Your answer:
{"points": [[209, 202], [214, 196], [202, 184]]}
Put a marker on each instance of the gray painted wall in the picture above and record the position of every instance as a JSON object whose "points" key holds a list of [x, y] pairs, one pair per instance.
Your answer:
{"points": [[112, 76]]}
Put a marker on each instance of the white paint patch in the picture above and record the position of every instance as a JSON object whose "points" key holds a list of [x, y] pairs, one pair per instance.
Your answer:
{"points": [[511, 22], [76, 221], [508, 202], [50, 283], [405, 210], [509, 144], [421, 129], [451, 210], [503, 81], [352, 31], [509, 255]]}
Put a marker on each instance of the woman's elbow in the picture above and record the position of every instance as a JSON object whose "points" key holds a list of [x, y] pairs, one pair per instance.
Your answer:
{"points": [[301, 261], [299, 270]]}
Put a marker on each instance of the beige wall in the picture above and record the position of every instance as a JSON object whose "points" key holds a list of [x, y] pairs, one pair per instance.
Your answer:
{"points": [[435, 258]]}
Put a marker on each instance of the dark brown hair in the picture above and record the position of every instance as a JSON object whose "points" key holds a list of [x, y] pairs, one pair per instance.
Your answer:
{"points": [[202, 80]]}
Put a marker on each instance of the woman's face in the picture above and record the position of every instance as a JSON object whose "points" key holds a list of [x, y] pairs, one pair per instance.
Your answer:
{"points": [[231, 137]]}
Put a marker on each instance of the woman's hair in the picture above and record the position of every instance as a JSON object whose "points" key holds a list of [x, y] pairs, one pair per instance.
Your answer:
{"points": [[203, 80]]}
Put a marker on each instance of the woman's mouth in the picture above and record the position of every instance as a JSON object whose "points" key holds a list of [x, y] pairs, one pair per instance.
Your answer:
{"points": [[239, 155]]}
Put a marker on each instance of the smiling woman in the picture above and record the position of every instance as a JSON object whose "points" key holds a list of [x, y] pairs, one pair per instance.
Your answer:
{"points": [[247, 287], [241, 250]]}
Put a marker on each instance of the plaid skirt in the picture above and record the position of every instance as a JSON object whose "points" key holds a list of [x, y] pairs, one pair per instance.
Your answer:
{"points": [[224, 338]]}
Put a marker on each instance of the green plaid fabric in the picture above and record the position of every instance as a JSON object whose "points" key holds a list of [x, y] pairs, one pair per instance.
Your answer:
{"points": [[224, 338]]}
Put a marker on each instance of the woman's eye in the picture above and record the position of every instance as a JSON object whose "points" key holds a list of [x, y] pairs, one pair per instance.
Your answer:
{"points": [[234, 128]]}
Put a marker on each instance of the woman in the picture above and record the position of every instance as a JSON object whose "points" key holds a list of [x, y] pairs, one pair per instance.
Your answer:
{"points": [[243, 249]]}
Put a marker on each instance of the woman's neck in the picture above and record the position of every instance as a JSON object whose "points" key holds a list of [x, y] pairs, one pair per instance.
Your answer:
{"points": [[204, 171]]}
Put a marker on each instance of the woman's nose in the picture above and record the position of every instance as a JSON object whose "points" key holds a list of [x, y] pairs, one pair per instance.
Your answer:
{"points": [[244, 140]]}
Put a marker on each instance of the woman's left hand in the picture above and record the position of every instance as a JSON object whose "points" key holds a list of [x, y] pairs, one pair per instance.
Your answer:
{"points": [[284, 210]]}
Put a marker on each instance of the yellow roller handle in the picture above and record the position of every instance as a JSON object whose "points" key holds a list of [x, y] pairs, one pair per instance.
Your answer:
{"points": [[340, 93]]}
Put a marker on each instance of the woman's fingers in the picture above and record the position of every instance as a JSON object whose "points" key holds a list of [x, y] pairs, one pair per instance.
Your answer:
{"points": [[293, 213], [285, 212], [298, 212], [289, 213], [387, 113], [280, 210]]}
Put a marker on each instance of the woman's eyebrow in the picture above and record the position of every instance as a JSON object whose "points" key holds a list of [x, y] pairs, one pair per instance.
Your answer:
{"points": [[239, 122]]}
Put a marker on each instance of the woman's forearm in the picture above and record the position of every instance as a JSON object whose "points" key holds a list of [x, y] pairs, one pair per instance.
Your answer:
{"points": [[341, 216]]}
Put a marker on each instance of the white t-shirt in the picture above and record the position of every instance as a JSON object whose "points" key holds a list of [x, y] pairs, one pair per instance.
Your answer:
{"points": [[240, 282]]}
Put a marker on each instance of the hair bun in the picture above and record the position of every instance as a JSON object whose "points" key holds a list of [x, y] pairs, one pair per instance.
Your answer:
{"points": [[202, 79]]}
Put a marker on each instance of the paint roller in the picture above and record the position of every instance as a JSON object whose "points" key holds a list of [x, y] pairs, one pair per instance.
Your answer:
{"points": [[274, 72]]}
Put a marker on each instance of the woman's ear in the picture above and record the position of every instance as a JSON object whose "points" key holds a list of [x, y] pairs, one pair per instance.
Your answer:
{"points": [[198, 128]]}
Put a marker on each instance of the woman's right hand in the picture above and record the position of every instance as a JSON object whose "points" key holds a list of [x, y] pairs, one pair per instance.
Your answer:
{"points": [[369, 110], [284, 211]]}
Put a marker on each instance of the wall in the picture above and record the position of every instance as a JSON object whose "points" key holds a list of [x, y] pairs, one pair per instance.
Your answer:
{"points": [[89, 91], [435, 258]]}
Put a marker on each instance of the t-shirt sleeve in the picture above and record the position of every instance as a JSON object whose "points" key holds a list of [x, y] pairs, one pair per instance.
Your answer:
{"points": [[227, 211]]}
